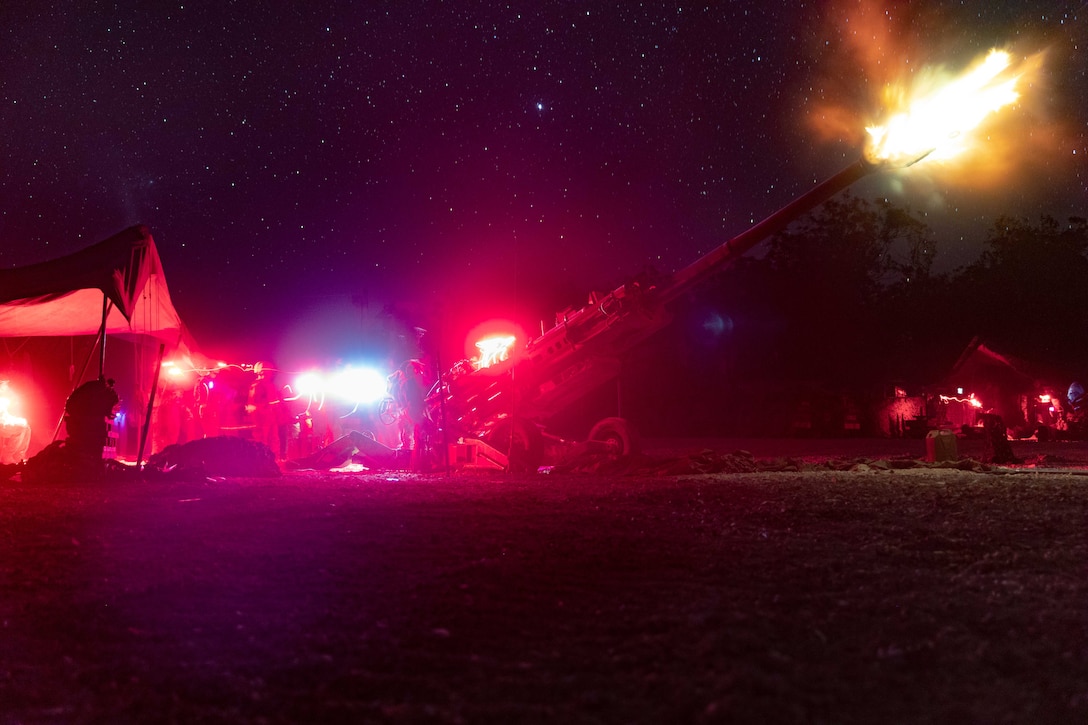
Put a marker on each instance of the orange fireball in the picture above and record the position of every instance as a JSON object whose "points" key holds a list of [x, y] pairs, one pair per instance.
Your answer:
{"points": [[939, 115]]}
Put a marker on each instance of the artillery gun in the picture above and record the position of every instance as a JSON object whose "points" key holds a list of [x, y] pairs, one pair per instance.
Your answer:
{"points": [[497, 413]]}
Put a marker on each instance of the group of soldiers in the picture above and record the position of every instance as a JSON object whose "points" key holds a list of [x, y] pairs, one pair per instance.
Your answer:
{"points": [[228, 402], [250, 403]]}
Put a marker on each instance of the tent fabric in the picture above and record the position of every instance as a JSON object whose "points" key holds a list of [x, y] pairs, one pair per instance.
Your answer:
{"points": [[64, 296], [979, 358]]}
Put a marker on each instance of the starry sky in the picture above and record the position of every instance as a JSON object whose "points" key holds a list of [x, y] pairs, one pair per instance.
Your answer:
{"points": [[459, 160]]}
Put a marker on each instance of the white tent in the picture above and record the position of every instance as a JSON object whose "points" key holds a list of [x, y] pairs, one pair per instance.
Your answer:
{"points": [[116, 287], [116, 290]]}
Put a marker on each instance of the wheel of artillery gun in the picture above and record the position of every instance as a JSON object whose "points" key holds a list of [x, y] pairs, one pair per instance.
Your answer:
{"points": [[521, 441], [388, 411], [618, 435]]}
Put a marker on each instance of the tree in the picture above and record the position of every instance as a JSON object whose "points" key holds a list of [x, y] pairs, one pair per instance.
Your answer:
{"points": [[835, 272], [1028, 292]]}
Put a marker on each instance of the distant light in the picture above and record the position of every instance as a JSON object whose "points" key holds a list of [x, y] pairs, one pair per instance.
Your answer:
{"points": [[358, 385], [172, 368], [310, 384]]}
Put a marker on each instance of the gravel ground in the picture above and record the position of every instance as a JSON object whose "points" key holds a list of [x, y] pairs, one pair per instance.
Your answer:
{"points": [[866, 594]]}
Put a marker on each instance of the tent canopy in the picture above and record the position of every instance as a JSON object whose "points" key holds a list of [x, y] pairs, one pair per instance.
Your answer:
{"points": [[65, 296]]}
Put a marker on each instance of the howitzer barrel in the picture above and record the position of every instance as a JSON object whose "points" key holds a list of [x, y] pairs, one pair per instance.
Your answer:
{"points": [[715, 260], [581, 351]]}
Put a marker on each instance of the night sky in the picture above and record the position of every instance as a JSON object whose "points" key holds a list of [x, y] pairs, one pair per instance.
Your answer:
{"points": [[464, 160]]}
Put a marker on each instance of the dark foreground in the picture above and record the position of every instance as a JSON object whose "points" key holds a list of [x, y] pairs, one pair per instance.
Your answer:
{"points": [[908, 596]]}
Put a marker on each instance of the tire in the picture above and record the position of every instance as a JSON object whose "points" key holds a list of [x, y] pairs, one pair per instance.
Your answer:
{"points": [[618, 435], [521, 441], [388, 411]]}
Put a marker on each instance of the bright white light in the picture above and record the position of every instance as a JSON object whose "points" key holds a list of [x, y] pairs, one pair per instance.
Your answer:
{"points": [[358, 385], [937, 115], [7, 418], [310, 384]]}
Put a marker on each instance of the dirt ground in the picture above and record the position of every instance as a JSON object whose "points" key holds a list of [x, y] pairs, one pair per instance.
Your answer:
{"points": [[870, 594]]}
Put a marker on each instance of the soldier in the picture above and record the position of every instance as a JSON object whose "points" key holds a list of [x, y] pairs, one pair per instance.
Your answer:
{"points": [[87, 416], [265, 406], [408, 386]]}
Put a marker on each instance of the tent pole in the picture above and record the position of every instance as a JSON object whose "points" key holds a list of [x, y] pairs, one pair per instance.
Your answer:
{"points": [[150, 408], [102, 337], [75, 384], [101, 342]]}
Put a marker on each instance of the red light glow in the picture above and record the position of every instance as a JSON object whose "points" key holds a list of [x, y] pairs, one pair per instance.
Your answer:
{"points": [[7, 403], [494, 328], [493, 350], [971, 400]]}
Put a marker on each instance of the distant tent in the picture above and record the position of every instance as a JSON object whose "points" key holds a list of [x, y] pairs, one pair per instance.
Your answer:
{"points": [[114, 289], [1003, 383], [981, 360]]}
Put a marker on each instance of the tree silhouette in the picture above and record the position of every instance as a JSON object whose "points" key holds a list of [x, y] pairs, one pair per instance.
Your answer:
{"points": [[834, 273], [1027, 292], [847, 300]]}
